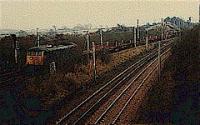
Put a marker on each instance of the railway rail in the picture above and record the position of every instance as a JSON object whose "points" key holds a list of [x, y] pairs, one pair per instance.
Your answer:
{"points": [[6, 77], [122, 110], [79, 113], [109, 113], [10, 78]]}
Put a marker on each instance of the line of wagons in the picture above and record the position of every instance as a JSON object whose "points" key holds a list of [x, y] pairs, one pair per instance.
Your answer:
{"points": [[40, 58]]}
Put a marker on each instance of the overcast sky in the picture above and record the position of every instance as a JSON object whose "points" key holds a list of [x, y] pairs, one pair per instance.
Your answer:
{"points": [[29, 14]]}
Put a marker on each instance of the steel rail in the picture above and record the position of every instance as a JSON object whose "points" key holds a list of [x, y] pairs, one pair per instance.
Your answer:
{"points": [[103, 97], [131, 83], [99, 90], [9, 73], [9, 79], [134, 93]]}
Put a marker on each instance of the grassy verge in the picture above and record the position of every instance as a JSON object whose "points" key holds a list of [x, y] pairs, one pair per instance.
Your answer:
{"points": [[175, 98], [54, 88]]}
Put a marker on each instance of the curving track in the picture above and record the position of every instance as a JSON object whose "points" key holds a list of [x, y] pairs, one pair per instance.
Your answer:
{"points": [[135, 98], [9, 77], [105, 98], [110, 113]]}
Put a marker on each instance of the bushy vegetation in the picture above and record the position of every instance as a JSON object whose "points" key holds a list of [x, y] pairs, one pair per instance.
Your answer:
{"points": [[186, 50], [104, 56], [7, 45], [174, 98]]}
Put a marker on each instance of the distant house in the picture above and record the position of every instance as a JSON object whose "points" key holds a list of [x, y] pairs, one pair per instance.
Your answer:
{"points": [[178, 22], [4, 35], [21, 33], [120, 28]]}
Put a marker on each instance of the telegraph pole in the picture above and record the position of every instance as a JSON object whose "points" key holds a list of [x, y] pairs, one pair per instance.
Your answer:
{"points": [[138, 30], [159, 61], [147, 40], [162, 29], [199, 13], [94, 61], [101, 37], [16, 47], [38, 37], [54, 31], [198, 29], [88, 45], [16, 51], [135, 38], [133, 34]]}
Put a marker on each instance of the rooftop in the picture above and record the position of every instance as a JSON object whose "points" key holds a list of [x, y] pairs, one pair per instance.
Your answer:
{"points": [[49, 48]]}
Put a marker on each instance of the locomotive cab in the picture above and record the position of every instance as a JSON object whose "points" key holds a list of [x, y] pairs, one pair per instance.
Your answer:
{"points": [[41, 57], [35, 57]]}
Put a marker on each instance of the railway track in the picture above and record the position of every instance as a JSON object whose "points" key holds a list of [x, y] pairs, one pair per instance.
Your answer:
{"points": [[85, 109], [134, 98], [6, 77], [110, 112], [10, 78]]}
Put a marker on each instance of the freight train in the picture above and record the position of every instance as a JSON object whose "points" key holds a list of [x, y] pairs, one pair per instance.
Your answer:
{"points": [[40, 58]]}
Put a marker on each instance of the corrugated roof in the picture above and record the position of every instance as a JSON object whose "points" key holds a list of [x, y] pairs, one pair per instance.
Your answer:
{"points": [[159, 25], [53, 48]]}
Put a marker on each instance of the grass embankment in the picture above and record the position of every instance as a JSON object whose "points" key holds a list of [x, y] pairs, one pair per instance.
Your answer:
{"points": [[54, 88], [175, 99]]}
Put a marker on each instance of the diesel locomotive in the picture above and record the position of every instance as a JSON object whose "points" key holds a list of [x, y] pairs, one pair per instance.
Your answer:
{"points": [[40, 57]]}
